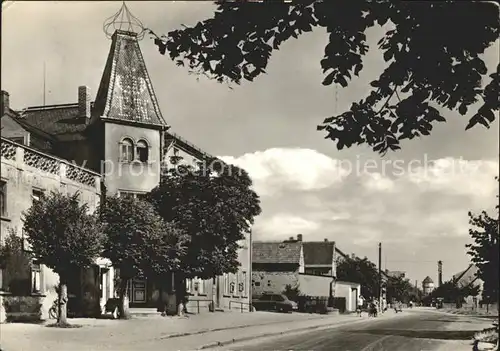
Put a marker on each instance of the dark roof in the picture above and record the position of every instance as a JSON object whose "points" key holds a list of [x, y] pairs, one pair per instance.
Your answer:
{"points": [[60, 121], [125, 91], [276, 252], [427, 280], [185, 145], [318, 252], [467, 276]]}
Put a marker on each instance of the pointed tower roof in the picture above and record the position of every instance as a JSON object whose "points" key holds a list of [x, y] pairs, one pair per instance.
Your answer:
{"points": [[125, 92], [427, 280]]}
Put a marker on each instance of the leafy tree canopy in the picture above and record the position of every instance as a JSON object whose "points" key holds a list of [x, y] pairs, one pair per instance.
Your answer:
{"points": [[432, 49], [362, 271], [62, 234], [215, 205], [450, 291], [484, 251], [15, 263], [138, 241], [400, 289]]}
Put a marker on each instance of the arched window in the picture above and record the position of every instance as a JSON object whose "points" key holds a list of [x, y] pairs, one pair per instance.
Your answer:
{"points": [[142, 151], [127, 150]]}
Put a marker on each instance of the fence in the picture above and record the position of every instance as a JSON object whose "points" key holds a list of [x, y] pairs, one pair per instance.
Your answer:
{"points": [[241, 305], [205, 303], [313, 304]]}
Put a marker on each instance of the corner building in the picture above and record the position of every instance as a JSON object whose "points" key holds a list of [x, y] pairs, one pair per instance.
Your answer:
{"points": [[123, 137]]}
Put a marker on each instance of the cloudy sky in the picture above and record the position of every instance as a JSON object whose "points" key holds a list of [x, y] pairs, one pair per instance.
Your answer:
{"points": [[414, 201]]}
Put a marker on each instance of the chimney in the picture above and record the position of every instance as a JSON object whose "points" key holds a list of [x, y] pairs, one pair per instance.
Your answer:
{"points": [[5, 102], [353, 256], [291, 238], [326, 240], [299, 237], [84, 102], [440, 273]]}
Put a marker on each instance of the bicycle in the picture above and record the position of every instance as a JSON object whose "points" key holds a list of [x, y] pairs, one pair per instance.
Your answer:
{"points": [[54, 310]]}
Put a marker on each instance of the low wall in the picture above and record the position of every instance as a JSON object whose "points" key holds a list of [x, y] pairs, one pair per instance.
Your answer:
{"points": [[272, 282], [314, 285], [22, 308], [349, 291]]}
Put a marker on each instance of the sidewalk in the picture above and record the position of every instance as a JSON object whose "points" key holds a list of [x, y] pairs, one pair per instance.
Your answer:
{"points": [[158, 332]]}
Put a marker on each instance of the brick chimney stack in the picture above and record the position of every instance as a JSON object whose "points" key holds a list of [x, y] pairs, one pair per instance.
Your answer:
{"points": [[84, 102], [5, 102], [299, 237], [326, 240], [440, 273]]}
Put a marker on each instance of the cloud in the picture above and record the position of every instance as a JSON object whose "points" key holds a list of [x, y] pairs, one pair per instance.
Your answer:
{"points": [[279, 169], [416, 208], [457, 176], [284, 225]]}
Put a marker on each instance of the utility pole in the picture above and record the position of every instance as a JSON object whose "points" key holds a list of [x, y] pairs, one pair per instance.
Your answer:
{"points": [[380, 274], [44, 77]]}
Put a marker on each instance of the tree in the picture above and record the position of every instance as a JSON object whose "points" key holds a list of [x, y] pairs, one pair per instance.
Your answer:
{"points": [[484, 251], [400, 289], [450, 291], [64, 237], [293, 293], [15, 265], [214, 204], [432, 50], [138, 242], [362, 271]]}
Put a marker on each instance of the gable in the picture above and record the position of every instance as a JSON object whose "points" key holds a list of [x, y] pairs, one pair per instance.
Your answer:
{"points": [[11, 129], [276, 252], [318, 253]]}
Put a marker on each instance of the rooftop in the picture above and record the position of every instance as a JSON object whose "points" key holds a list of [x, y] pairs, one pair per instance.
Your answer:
{"points": [[276, 252]]}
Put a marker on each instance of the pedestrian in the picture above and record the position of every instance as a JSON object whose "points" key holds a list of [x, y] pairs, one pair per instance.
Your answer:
{"points": [[360, 305]]}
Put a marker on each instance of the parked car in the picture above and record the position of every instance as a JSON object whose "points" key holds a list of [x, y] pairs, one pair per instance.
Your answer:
{"points": [[274, 302]]}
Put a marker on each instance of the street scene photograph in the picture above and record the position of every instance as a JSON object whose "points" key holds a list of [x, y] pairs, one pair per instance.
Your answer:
{"points": [[249, 175]]}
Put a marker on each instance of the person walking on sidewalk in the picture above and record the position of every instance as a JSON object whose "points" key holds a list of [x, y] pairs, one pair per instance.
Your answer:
{"points": [[360, 305]]}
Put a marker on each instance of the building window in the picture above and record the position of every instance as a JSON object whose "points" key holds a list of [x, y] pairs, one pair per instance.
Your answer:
{"points": [[189, 286], [19, 140], [141, 196], [200, 286], [268, 283], [227, 286], [35, 277], [3, 198], [142, 151], [243, 284], [127, 150], [37, 195], [234, 284]]}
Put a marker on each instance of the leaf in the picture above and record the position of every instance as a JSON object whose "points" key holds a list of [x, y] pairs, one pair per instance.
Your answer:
{"points": [[388, 55], [329, 78], [342, 81], [462, 109], [358, 68]]}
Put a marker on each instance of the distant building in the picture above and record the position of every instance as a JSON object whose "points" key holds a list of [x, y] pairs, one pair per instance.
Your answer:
{"points": [[275, 265], [395, 274], [469, 277], [310, 266], [427, 285]]}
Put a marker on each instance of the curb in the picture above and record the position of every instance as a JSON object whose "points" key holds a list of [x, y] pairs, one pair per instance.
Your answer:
{"points": [[290, 331], [205, 331]]}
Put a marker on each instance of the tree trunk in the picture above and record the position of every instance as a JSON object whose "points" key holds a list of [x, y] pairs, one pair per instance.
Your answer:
{"points": [[62, 306], [123, 307]]}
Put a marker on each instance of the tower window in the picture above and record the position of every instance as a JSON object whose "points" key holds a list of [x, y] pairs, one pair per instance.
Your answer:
{"points": [[127, 150], [142, 151]]}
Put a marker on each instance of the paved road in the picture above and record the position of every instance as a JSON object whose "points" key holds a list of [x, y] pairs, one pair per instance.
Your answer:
{"points": [[415, 331]]}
